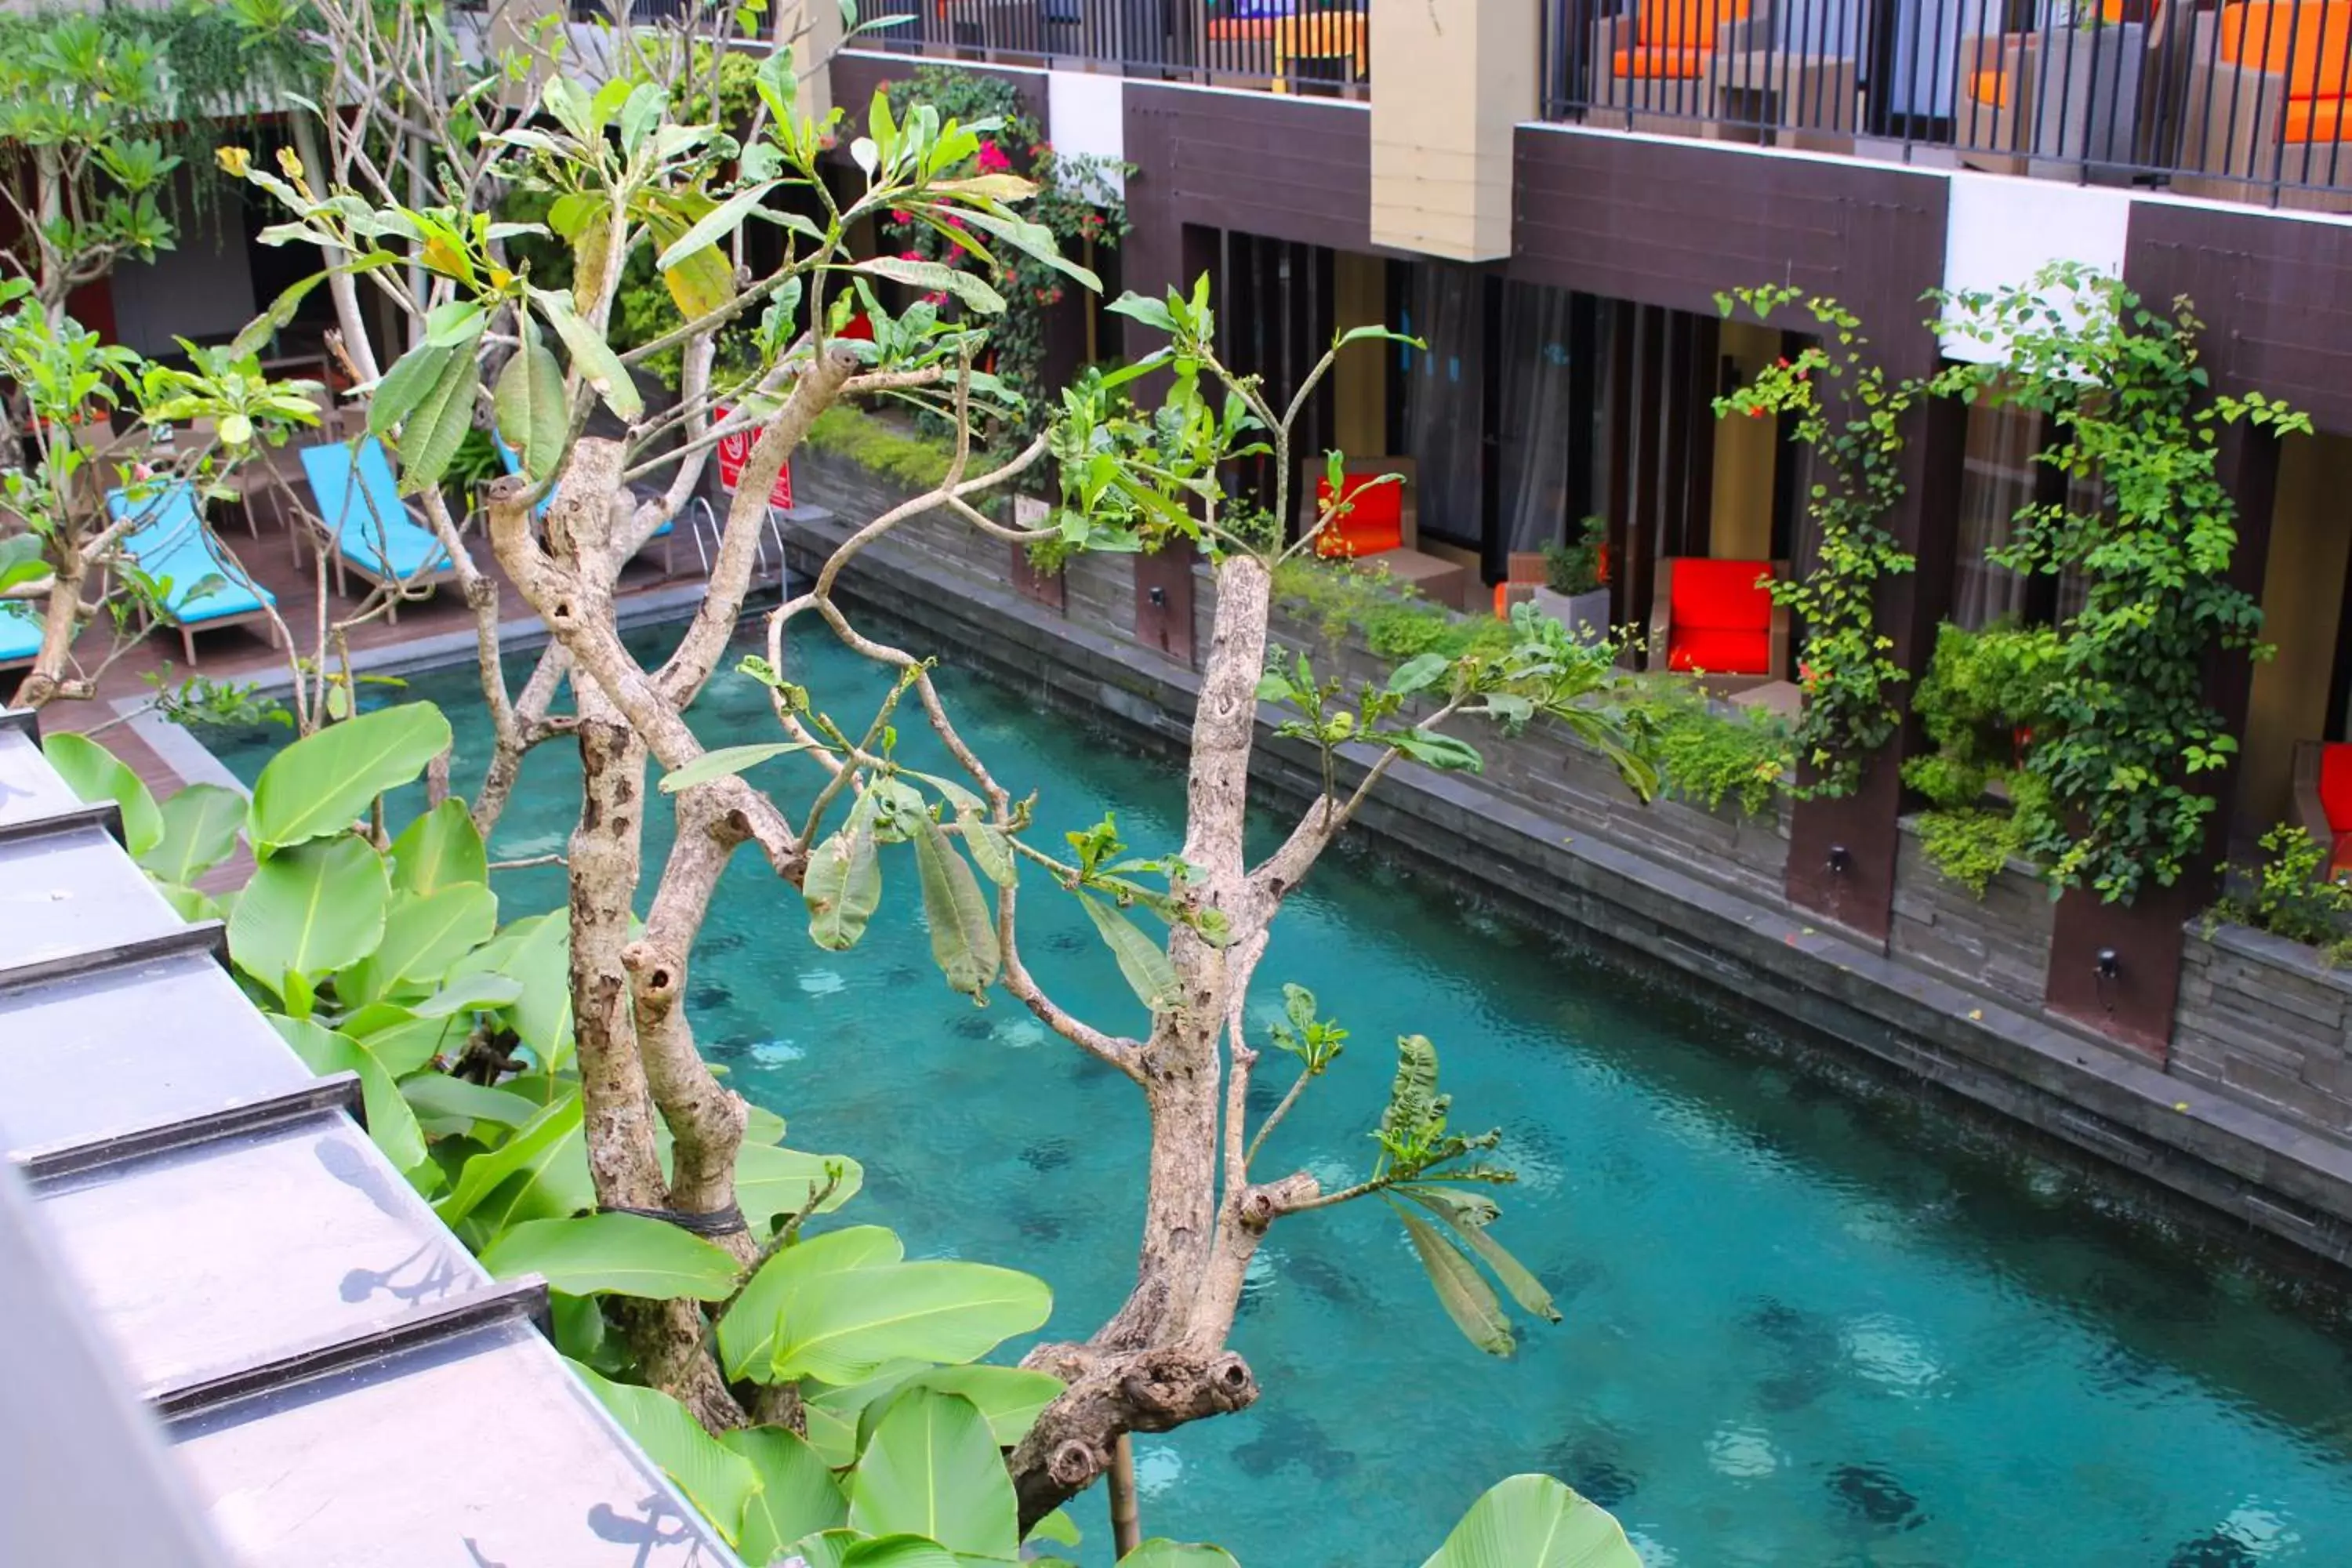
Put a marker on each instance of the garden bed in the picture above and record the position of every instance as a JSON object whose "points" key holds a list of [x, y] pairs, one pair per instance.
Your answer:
{"points": [[2267, 1022]]}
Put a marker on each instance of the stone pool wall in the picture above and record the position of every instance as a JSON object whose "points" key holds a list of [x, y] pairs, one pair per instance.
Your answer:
{"points": [[1546, 833], [1999, 943], [2266, 1021]]}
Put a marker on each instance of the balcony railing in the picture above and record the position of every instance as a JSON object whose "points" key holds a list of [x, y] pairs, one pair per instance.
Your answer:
{"points": [[2245, 100], [1287, 46]]}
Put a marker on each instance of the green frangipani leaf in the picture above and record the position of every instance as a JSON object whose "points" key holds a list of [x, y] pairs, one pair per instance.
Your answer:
{"points": [[1466, 1297], [1534, 1521], [932, 1469], [797, 1496], [590, 355], [390, 1122], [436, 426], [963, 923], [200, 827], [717, 1480], [933, 277], [1466, 1216], [1142, 961], [309, 911], [439, 849], [844, 885], [725, 763], [96, 774], [323, 783], [532, 415], [615, 1255]]}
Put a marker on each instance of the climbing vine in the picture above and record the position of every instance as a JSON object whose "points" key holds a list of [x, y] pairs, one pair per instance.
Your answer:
{"points": [[2130, 729], [1077, 198], [1851, 415]]}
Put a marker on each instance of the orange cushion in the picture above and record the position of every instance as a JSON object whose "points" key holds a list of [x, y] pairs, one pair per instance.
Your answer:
{"points": [[1661, 64], [1989, 86], [2313, 120], [2310, 45], [2335, 784], [1374, 521], [1721, 595], [1684, 23], [1718, 650]]}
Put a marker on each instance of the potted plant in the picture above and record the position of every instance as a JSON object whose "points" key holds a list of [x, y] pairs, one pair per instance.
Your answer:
{"points": [[2089, 93], [1575, 591]]}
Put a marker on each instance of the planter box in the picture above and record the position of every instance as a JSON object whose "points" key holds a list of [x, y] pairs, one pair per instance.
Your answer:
{"points": [[2264, 1021], [1998, 944], [1585, 616]]}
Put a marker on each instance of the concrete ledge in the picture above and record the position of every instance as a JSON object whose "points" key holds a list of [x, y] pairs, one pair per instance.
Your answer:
{"points": [[2256, 1169]]}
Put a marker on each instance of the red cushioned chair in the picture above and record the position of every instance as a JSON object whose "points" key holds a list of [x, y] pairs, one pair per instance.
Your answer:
{"points": [[1716, 618], [2323, 797], [1382, 527]]}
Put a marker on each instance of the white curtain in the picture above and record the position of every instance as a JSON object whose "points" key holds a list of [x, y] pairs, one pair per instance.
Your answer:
{"points": [[1531, 486], [1444, 411], [1995, 484]]}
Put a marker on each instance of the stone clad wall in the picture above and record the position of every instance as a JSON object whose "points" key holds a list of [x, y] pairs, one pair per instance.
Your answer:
{"points": [[1999, 943], [2263, 1020]]}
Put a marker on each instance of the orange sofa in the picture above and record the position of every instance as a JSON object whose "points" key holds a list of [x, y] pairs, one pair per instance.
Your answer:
{"points": [[2266, 102], [1652, 61]]}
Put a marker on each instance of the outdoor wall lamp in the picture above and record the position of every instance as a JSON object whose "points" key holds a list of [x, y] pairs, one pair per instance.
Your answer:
{"points": [[1159, 598], [1840, 859], [2109, 964]]}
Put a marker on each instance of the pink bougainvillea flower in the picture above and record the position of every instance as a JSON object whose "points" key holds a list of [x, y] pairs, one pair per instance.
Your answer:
{"points": [[902, 216], [954, 220], [937, 297], [992, 160], [912, 255]]}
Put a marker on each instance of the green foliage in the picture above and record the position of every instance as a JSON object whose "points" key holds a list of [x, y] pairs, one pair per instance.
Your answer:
{"points": [[2131, 729], [1704, 756], [1970, 844], [1578, 568], [1984, 702], [2293, 894], [1852, 416], [1344, 598], [1534, 1522], [1077, 202]]}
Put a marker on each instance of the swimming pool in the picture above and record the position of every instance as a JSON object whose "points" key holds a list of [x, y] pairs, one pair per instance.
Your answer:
{"points": [[1804, 1327]]}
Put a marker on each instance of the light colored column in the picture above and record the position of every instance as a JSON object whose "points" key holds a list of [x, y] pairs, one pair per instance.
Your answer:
{"points": [[1450, 81]]}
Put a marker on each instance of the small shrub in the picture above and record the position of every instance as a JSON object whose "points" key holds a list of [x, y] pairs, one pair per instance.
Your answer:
{"points": [[1967, 844], [1581, 567], [1704, 756], [907, 457], [2289, 895]]}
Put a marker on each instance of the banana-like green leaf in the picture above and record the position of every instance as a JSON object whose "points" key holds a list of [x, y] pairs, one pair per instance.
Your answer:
{"points": [[189, 904], [1465, 1294], [841, 1327], [773, 1184], [844, 885], [719, 1481], [848, 1549], [439, 849], [963, 922], [200, 827], [309, 911], [932, 1469], [390, 1123], [592, 356], [423, 938], [531, 412], [797, 1496], [1160, 1552], [747, 1334], [1467, 1221], [724, 762], [323, 783], [1142, 961], [96, 774], [536, 953], [1009, 1398], [1534, 1522], [833, 1413], [533, 1149], [438, 1097], [614, 1254]]}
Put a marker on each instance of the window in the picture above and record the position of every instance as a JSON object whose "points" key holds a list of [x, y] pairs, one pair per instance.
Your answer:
{"points": [[1442, 397]]}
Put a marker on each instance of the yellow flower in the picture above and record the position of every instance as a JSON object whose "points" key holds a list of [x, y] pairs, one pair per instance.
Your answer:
{"points": [[234, 161], [290, 161]]}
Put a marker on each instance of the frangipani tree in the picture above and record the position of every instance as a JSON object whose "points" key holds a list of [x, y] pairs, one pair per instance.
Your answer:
{"points": [[621, 175]]}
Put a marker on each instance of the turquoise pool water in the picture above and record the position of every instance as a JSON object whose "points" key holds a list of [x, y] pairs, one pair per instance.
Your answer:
{"points": [[1806, 1326]]}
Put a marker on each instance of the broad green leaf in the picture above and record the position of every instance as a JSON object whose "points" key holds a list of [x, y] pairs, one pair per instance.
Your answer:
{"points": [[592, 356], [1465, 1295], [1418, 674], [847, 1549], [714, 226], [454, 325], [717, 1480], [833, 1413], [423, 937], [963, 921], [841, 1327], [312, 909], [1447, 752], [439, 849], [932, 278], [1159, 1553], [747, 1334], [399, 1039], [1009, 1398], [1033, 239], [390, 1123], [200, 829], [1465, 1222], [189, 904], [535, 953], [438, 1097], [1057, 1527], [614, 1254], [96, 774], [797, 1496], [1148, 973], [725, 763], [932, 1469], [1534, 1522], [771, 1184], [531, 408], [437, 425], [990, 850], [842, 886], [530, 1150], [468, 994], [406, 385], [323, 783]]}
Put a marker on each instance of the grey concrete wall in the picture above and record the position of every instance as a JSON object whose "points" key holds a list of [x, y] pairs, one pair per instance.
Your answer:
{"points": [[1999, 943], [2263, 1020]]}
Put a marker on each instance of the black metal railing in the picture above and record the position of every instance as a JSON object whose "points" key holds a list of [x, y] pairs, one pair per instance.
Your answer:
{"points": [[1286, 46], [2245, 100]]}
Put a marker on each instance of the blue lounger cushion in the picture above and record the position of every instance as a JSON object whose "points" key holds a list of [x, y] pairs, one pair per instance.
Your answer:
{"points": [[168, 541], [20, 633], [513, 461], [361, 506]]}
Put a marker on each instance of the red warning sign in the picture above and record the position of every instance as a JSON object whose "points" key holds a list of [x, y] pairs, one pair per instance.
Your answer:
{"points": [[734, 451]]}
